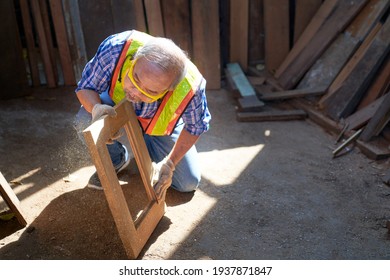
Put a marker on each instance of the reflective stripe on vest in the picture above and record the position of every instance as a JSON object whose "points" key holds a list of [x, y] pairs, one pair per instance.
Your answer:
{"points": [[174, 102]]}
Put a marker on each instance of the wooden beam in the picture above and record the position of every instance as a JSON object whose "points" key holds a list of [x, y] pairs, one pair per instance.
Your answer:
{"points": [[239, 19], [378, 120], [271, 115], [288, 94], [177, 23], [277, 33], [44, 45], [346, 98], [31, 50], [304, 12], [205, 38], [154, 18], [62, 42]]}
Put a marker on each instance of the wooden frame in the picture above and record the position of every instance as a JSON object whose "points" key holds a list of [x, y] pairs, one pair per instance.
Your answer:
{"points": [[134, 234]]}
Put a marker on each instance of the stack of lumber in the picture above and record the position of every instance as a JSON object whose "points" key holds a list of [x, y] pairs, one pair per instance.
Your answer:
{"points": [[338, 72]]}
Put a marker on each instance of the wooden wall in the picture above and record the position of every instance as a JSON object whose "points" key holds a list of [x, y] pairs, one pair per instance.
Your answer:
{"points": [[60, 36]]}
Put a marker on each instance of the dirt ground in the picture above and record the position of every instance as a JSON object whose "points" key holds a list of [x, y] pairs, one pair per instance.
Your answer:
{"points": [[270, 190]]}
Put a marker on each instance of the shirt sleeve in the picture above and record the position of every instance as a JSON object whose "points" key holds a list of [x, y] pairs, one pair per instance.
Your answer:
{"points": [[197, 115], [98, 71]]}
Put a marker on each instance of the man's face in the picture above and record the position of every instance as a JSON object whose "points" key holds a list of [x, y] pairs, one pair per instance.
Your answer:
{"points": [[146, 82]]}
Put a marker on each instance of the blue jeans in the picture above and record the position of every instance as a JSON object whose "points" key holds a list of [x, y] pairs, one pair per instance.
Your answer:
{"points": [[186, 176]]}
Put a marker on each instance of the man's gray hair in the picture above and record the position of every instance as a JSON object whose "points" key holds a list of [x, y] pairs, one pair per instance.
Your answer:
{"points": [[165, 54]]}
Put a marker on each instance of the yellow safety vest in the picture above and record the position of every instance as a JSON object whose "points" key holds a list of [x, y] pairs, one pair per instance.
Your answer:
{"points": [[173, 103]]}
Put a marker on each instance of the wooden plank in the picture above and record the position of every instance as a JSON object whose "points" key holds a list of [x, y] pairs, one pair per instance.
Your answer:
{"points": [[95, 29], [11, 199], [249, 104], [379, 86], [124, 15], [239, 19], [378, 120], [154, 18], [140, 15], [317, 21], [43, 45], [177, 23], [256, 31], [304, 12], [343, 13], [240, 80], [344, 100], [49, 37], [271, 115], [330, 63], [62, 42], [31, 50], [277, 33], [205, 38], [362, 116], [134, 234], [350, 65], [281, 95]]}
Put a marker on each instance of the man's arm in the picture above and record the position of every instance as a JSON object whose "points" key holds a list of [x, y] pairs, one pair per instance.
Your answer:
{"points": [[185, 141], [88, 98]]}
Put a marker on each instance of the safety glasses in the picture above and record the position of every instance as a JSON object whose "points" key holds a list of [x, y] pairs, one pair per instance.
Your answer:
{"points": [[131, 77]]}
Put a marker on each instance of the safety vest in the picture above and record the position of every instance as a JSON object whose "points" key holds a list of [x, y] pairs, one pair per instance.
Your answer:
{"points": [[173, 103]]}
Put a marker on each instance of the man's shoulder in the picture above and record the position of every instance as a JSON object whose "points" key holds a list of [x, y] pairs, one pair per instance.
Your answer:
{"points": [[117, 39]]}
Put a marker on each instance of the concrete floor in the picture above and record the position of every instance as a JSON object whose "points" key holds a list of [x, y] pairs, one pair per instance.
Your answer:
{"points": [[270, 190]]}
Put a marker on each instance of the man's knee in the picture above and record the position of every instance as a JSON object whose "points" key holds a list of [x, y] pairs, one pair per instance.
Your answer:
{"points": [[190, 184]]}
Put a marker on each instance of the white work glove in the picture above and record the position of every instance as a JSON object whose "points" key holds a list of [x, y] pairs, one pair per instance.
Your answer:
{"points": [[162, 176], [99, 111]]}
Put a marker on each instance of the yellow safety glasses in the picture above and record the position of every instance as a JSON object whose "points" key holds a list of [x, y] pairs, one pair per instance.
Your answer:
{"points": [[131, 77]]}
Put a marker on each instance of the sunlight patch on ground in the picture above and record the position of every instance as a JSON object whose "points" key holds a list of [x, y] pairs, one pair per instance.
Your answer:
{"points": [[221, 168]]}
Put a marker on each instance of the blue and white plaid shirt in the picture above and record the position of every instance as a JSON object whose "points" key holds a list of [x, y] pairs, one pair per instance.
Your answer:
{"points": [[97, 77]]}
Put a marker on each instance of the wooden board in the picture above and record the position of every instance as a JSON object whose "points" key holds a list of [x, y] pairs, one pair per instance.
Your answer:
{"points": [[342, 14], [345, 99], [271, 115], [239, 18], [281, 95], [277, 33], [304, 12], [256, 31], [62, 42], [249, 104], [154, 18], [205, 38], [379, 86], [239, 79], [362, 116], [29, 36], [378, 120], [11, 199], [177, 23], [134, 234]]}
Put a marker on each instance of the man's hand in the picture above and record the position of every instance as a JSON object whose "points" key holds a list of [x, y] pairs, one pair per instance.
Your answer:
{"points": [[99, 111], [162, 176]]}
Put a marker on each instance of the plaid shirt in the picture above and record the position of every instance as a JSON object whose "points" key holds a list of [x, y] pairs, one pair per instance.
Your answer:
{"points": [[97, 77]]}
